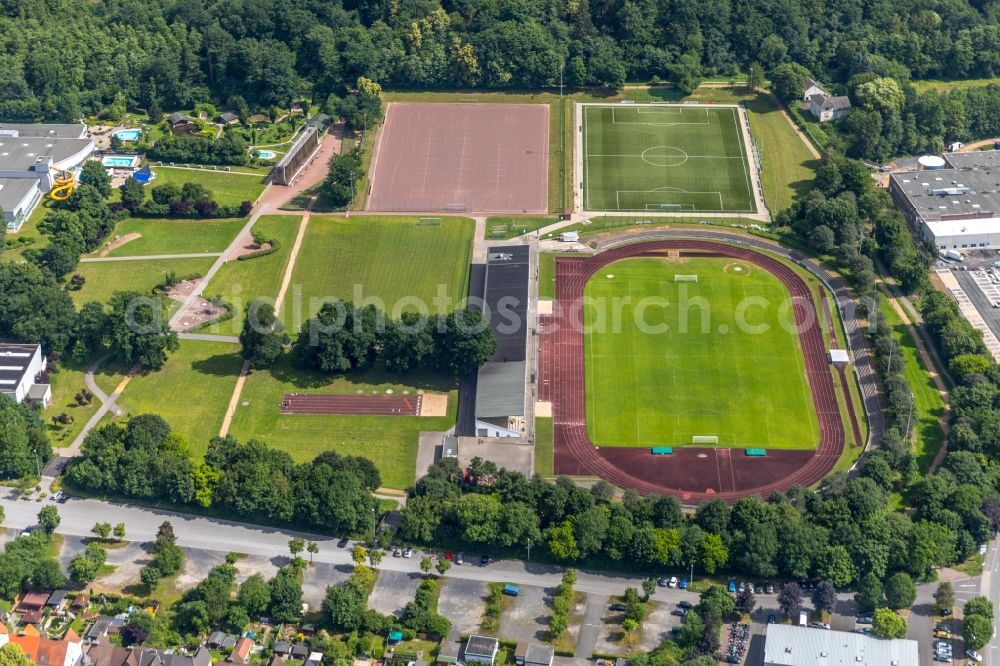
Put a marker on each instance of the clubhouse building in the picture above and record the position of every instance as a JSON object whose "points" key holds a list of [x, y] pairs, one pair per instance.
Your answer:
{"points": [[30, 155]]}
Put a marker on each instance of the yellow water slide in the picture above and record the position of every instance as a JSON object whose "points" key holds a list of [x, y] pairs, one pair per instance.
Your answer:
{"points": [[62, 186]]}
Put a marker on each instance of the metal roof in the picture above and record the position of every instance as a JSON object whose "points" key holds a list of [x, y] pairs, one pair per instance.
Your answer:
{"points": [[789, 645], [500, 390], [539, 654], [14, 190], [20, 153], [44, 130], [14, 362], [943, 193], [976, 158]]}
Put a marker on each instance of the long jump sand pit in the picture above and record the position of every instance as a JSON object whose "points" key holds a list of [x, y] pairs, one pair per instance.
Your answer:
{"points": [[462, 158]]}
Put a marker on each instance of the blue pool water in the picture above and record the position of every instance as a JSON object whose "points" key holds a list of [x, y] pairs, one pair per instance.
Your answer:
{"points": [[128, 134], [120, 162], [266, 154]]}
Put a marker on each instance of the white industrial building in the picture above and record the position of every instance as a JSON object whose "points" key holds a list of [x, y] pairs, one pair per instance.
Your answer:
{"points": [[20, 366], [30, 155], [789, 645], [957, 206]]}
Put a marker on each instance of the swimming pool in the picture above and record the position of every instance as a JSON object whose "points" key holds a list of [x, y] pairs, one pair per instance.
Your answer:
{"points": [[266, 154], [117, 161], [128, 134]]}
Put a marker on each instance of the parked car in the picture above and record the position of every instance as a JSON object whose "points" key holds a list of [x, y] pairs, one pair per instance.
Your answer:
{"points": [[679, 612], [759, 589], [662, 582], [732, 587], [397, 552], [407, 552], [685, 604], [617, 607], [771, 619], [342, 543], [511, 590], [974, 656], [865, 619], [941, 645], [683, 584], [459, 559], [769, 588], [484, 560], [672, 582], [743, 586]]}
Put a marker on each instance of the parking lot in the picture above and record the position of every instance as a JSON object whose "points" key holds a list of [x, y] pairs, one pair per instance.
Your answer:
{"points": [[526, 616], [393, 590], [462, 601]]}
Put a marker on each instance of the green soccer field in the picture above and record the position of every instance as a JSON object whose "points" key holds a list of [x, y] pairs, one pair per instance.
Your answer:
{"points": [[665, 159], [660, 377]]}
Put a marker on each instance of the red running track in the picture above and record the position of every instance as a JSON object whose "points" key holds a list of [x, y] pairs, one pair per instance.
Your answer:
{"points": [[694, 474], [373, 405]]}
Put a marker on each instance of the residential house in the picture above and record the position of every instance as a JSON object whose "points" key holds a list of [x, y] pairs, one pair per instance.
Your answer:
{"points": [[98, 631], [282, 647], [179, 123], [227, 118], [31, 605], [241, 651], [276, 660], [812, 88], [315, 659], [113, 655], [43, 651], [300, 651], [58, 600], [481, 650], [826, 107], [80, 602], [21, 368]]}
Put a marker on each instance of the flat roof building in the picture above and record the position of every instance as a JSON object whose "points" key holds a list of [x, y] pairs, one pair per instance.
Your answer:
{"points": [[20, 367], [788, 645], [957, 207], [29, 155]]}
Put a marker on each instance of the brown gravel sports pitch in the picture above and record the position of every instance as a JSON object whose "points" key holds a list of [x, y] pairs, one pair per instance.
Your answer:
{"points": [[462, 158]]}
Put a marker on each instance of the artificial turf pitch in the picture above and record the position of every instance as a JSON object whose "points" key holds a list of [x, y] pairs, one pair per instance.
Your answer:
{"points": [[663, 388], [658, 158]]}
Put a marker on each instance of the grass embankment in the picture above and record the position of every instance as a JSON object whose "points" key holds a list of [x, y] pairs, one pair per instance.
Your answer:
{"points": [[228, 188], [928, 405]]}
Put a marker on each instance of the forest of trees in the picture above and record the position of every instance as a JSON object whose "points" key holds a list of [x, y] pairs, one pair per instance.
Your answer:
{"points": [[171, 54]]}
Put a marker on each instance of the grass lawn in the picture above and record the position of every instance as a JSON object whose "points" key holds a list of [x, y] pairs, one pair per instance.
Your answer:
{"points": [[788, 166], [674, 158], [384, 258], [191, 392], [105, 278], [543, 446], [29, 231], [945, 86], [239, 282], [928, 406], [174, 236], [712, 370], [230, 189], [502, 228], [389, 441], [65, 384]]}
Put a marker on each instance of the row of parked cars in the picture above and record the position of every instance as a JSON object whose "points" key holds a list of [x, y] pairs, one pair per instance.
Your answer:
{"points": [[943, 651], [756, 588]]}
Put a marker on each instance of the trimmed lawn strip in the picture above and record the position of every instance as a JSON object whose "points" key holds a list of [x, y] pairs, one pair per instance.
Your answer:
{"points": [[105, 278], [239, 282], [228, 189], [543, 446], [928, 406], [174, 236], [515, 226], [788, 168], [191, 392], [393, 260], [388, 441]]}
